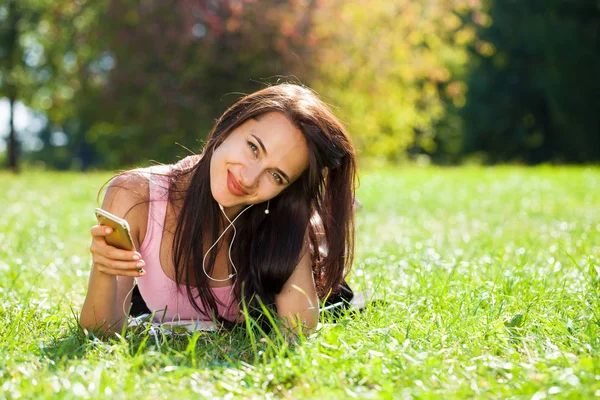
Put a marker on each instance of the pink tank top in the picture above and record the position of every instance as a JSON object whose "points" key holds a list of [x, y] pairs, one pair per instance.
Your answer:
{"points": [[160, 292]]}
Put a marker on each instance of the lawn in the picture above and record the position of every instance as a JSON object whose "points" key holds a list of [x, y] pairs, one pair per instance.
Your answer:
{"points": [[491, 278]]}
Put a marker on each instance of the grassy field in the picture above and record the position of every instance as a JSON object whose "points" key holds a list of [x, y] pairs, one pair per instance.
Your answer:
{"points": [[491, 277]]}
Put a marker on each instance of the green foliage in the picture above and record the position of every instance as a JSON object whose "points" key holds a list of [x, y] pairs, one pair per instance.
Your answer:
{"points": [[391, 68], [533, 89], [51, 74], [17, 56], [126, 80], [171, 79], [490, 277]]}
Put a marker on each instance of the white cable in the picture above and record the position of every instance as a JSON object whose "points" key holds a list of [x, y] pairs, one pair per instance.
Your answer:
{"points": [[233, 238], [231, 224], [228, 302], [125, 313]]}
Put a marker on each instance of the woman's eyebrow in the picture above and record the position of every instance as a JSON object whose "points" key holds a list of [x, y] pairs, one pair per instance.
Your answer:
{"points": [[262, 146], [287, 178]]}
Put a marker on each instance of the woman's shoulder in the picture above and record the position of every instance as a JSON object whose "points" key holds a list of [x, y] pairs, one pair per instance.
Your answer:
{"points": [[187, 163], [132, 184], [127, 196], [165, 170]]}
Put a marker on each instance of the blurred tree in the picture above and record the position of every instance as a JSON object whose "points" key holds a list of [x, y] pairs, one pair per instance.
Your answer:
{"points": [[16, 19], [392, 68], [533, 90], [122, 81], [73, 62], [174, 67], [52, 74], [10, 55]]}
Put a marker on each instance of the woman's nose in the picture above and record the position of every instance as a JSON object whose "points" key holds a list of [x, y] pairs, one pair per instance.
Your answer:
{"points": [[249, 175]]}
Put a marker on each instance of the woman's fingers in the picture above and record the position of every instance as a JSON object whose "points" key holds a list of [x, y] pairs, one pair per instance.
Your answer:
{"points": [[119, 265], [100, 247], [111, 260], [101, 230], [108, 269]]}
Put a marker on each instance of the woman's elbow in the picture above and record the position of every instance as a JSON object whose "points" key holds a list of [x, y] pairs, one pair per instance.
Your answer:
{"points": [[90, 322], [303, 322]]}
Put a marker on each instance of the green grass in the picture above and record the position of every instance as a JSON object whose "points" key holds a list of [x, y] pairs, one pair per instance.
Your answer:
{"points": [[491, 277]]}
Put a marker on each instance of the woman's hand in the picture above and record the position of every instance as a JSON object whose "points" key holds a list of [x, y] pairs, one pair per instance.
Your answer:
{"points": [[111, 260]]}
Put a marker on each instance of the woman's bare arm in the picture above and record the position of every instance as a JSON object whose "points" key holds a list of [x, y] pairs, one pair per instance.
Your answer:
{"points": [[111, 277], [298, 302]]}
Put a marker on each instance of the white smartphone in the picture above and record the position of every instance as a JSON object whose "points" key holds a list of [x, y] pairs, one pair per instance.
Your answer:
{"points": [[121, 234]]}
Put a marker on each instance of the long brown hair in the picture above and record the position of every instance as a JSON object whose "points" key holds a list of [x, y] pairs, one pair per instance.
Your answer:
{"points": [[268, 247]]}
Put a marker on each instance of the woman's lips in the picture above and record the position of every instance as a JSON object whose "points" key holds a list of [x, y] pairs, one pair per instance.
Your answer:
{"points": [[233, 186]]}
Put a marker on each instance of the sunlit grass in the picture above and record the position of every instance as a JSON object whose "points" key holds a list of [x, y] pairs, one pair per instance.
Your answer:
{"points": [[491, 278]]}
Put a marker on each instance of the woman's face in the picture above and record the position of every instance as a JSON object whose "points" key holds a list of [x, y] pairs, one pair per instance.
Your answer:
{"points": [[257, 161]]}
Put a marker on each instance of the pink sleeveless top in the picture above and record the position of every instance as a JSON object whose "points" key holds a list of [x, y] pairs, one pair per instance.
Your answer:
{"points": [[160, 292]]}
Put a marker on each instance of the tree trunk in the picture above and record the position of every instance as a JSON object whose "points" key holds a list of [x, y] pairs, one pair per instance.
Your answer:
{"points": [[13, 147]]}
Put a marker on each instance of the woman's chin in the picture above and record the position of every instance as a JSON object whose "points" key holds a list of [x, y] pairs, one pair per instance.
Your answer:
{"points": [[220, 199], [226, 201]]}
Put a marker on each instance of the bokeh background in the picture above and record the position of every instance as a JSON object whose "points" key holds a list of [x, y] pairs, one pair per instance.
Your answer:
{"points": [[104, 84]]}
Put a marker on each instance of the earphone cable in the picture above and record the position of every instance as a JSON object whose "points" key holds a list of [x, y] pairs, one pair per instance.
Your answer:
{"points": [[231, 224], [125, 313], [230, 245]]}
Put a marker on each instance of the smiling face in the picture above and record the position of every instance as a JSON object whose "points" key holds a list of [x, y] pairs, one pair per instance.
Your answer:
{"points": [[257, 161]]}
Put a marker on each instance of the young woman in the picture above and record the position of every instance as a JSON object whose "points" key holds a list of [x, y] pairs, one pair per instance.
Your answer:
{"points": [[244, 221]]}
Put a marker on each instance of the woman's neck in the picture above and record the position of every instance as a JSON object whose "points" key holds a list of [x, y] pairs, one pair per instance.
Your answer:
{"points": [[233, 212]]}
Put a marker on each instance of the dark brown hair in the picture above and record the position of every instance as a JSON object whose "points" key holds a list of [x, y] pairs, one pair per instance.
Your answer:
{"points": [[268, 247]]}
